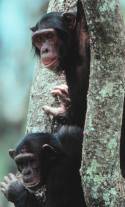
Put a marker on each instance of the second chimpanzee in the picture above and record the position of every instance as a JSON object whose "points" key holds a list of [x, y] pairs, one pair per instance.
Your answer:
{"points": [[62, 43], [51, 162]]}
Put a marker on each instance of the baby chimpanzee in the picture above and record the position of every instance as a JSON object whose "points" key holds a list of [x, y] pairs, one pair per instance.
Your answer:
{"points": [[49, 161]]}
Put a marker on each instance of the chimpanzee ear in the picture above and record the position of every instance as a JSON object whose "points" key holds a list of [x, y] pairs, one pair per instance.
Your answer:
{"points": [[33, 29], [70, 20], [12, 153]]}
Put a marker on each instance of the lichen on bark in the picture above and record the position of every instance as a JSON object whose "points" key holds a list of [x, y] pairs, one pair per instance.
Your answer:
{"points": [[44, 81], [100, 166]]}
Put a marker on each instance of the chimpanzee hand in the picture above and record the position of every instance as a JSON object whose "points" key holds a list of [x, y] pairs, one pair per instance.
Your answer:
{"points": [[61, 93], [12, 188]]}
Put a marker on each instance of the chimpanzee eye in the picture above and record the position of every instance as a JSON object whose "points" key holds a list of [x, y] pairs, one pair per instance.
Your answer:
{"points": [[39, 39]]}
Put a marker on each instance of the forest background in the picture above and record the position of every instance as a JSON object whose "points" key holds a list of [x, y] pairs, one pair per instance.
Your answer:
{"points": [[17, 63]]}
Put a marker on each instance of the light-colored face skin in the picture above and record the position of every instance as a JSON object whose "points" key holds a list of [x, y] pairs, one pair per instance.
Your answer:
{"points": [[48, 43], [29, 166]]}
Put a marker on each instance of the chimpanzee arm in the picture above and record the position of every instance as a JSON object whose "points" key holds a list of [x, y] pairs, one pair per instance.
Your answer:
{"points": [[16, 193], [14, 190]]}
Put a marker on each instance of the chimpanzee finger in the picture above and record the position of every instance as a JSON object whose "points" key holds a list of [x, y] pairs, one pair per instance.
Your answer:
{"points": [[2, 190], [53, 110], [3, 185], [63, 88], [6, 179], [12, 177], [59, 92], [56, 92], [5, 192]]}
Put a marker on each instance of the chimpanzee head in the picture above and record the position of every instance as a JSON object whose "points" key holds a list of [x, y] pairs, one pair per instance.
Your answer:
{"points": [[52, 39], [34, 156], [39, 153]]}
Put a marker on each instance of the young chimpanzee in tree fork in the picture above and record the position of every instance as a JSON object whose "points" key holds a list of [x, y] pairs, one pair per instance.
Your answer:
{"points": [[51, 161], [62, 43]]}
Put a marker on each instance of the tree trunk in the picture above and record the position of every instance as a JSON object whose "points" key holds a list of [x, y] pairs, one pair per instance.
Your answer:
{"points": [[43, 83], [100, 166]]}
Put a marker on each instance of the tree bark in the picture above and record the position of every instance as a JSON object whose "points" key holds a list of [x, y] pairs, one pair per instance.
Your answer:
{"points": [[100, 166], [44, 81]]}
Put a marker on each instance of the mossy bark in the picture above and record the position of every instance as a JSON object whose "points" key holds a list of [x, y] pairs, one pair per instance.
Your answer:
{"points": [[44, 81], [100, 167]]}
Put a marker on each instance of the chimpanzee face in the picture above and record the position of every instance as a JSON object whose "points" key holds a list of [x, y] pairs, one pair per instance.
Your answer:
{"points": [[47, 42], [29, 166], [51, 38], [34, 160]]}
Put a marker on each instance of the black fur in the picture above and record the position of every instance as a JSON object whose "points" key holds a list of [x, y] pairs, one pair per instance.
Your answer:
{"points": [[59, 171]]}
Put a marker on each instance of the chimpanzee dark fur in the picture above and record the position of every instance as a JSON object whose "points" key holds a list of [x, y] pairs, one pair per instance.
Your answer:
{"points": [[60, 158]]}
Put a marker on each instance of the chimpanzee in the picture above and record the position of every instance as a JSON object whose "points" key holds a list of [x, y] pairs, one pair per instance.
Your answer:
{"points": [[61, 41], [49, 161]]}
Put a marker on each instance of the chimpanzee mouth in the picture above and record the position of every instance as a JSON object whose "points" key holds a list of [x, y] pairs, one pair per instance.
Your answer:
{"points": [[50, 63], [32, 184]]}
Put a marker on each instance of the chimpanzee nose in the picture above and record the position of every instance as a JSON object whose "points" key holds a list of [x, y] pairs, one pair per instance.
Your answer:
{"points": [[45, 50], [27, 172]]}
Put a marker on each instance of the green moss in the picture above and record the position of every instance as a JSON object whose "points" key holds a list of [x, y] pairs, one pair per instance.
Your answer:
{"points": [[112, 144], [109, 197], [107, 90]]}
